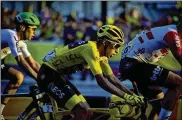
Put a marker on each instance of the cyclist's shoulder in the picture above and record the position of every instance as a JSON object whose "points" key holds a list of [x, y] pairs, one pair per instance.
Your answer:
{"points": [[8, 31], [168, 29], [92, 45], [171, 32], [89, 46], [8, 35]]}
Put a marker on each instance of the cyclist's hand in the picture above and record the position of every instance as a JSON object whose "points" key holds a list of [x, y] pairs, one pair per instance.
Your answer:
{"points": [[141, 98], [134, 100]]}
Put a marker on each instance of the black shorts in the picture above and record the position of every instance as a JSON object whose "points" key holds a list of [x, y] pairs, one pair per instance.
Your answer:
{"points": [[143, 73], [57, 85], [4, 70]]}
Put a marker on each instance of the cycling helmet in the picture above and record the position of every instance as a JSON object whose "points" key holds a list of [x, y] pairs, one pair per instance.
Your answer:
{"points": [[111, 33], [27, 18]]}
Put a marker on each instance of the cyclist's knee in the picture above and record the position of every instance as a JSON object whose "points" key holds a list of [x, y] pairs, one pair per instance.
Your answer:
{"points": [[80, 112], [19, 78], [160, 95], [179, 84], [174, 81]]}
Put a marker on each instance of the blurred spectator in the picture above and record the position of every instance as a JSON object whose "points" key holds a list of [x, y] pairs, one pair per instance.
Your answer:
{"points": [[166, 20], [5, 19], [124, 26], [91, 30], [69, 33], [13, 13]]}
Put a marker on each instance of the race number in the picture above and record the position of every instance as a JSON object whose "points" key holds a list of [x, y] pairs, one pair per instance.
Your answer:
{"points": [[126, 50]]}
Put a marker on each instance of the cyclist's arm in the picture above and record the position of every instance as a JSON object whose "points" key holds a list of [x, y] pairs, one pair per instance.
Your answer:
{"points": [[175, 45], [30, 60], [115, 81], [33, 63], [92, 58], [15, 47], [25, 66], [107, 71], [104, 83]]}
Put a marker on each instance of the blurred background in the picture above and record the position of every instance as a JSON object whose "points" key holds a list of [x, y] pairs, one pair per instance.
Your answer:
{"points": [[63, 22]]}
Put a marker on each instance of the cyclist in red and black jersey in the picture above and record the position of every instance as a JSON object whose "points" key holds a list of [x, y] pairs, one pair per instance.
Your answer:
{"points": [[147, 48]]}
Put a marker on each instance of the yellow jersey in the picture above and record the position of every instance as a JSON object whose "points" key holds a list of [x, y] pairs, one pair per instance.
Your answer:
{"points": [[78, 56]]}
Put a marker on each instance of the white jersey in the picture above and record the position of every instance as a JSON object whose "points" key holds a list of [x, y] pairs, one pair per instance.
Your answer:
{"points": [[151, 45], [11, 44]]}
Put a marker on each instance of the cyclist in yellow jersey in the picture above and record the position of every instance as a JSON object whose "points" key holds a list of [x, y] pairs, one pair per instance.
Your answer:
{"points": [[77, 57]]}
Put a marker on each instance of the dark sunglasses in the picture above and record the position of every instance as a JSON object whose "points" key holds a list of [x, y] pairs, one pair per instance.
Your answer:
{"points": [[115, 45]]}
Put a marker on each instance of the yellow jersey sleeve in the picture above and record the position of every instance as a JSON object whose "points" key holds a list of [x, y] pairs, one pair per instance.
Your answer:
{"points": [[106, 69], [91, 56]]}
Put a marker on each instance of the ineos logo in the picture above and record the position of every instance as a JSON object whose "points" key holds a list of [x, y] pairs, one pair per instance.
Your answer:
{"points": [[56, 90], [156, 73]]}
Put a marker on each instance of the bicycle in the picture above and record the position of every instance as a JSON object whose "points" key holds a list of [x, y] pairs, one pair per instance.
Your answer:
{"points": [[44, 103]]}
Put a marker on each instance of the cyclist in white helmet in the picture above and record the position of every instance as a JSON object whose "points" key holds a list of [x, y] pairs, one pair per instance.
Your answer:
{"points": [[13, 42]]}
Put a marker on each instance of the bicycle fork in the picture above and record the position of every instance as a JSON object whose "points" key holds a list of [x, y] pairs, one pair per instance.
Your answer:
{"points": [[36, 95], [29, 108], [26, 111]]}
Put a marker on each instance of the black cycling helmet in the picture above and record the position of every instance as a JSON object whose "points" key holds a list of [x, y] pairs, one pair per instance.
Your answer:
{"points": [[27, 18]]}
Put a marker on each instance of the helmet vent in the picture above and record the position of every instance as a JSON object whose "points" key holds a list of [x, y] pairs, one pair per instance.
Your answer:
{"points": [[119, 33], [103, 27], [19, 19], [34, 16], [112, 33], [100, 31], [32, 19], [106, 37]]}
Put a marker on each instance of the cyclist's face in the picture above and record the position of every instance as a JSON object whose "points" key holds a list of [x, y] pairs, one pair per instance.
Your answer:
{"points": [[113, 49], [30, 32]]}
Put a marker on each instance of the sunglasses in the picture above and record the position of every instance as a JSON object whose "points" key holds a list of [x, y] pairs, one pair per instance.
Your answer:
{"points": [[116, 46]]}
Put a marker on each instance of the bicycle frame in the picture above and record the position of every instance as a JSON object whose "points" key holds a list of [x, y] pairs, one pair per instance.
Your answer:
{"points": [[36, 95]]}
